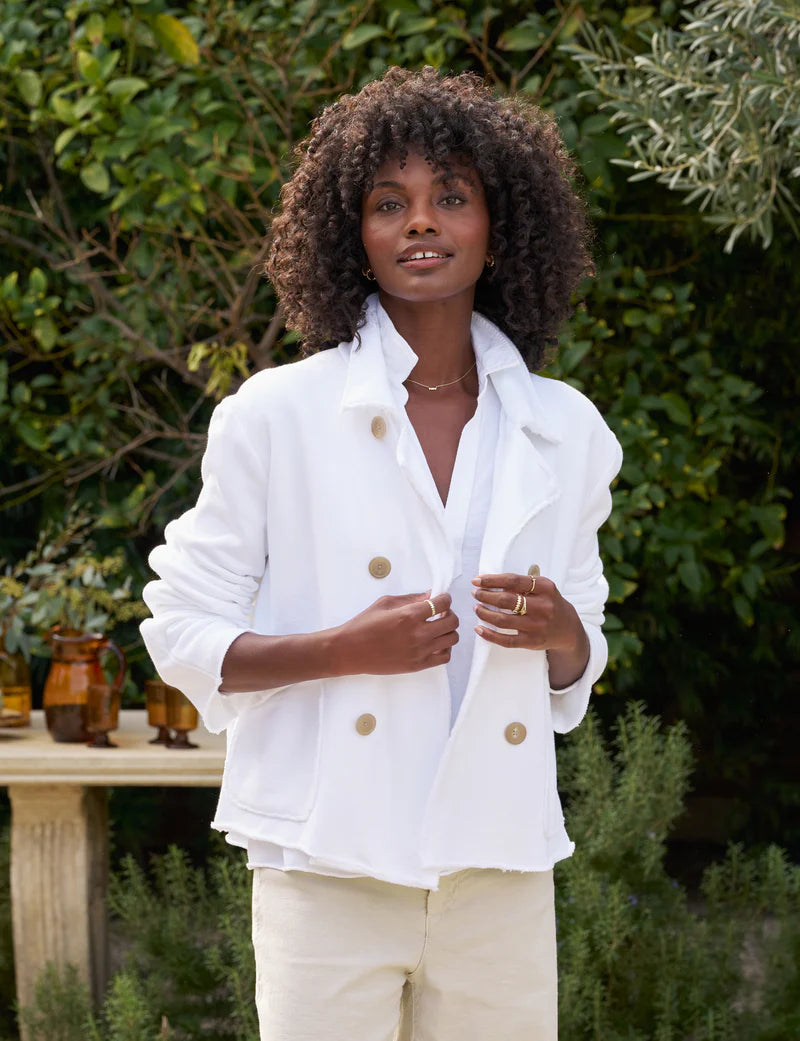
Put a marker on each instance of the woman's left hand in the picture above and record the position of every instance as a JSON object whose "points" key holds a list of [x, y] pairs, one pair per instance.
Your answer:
{"points": [[549, 622]]}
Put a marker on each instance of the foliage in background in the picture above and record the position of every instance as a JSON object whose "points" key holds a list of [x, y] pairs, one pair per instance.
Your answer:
{"points": [[143, 159], [63, 581], [711, 109], [638, 961]]}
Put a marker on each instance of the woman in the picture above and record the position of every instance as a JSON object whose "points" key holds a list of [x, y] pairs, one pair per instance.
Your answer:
{"points": [[389, 591]]}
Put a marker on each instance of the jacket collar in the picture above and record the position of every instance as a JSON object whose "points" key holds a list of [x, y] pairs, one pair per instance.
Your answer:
{"points": [[378, 366]]}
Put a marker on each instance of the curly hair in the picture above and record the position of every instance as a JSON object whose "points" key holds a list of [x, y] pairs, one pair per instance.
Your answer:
{"points": [[538, 228]]}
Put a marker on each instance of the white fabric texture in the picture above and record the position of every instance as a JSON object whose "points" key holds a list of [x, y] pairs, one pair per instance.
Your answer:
{"points": [[298, 494], [473, 961]]}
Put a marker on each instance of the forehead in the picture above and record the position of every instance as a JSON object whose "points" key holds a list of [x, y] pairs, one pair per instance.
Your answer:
{"points": [[416, 167]]}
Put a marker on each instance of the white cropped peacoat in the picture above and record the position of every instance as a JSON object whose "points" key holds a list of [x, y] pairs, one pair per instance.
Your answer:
{"points": [[308, 513]]}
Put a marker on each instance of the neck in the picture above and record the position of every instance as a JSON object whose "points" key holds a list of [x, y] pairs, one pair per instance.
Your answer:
{"points": [[439, 334]]}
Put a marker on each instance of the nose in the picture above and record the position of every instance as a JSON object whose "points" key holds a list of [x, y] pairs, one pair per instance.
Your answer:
{"points": [[422, 220]]}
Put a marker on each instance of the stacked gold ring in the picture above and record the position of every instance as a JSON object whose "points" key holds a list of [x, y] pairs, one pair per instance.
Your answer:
{"points": [[521, 606], [432, 606]]}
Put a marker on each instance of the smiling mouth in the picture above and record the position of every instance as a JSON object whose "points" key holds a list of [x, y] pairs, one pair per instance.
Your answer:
{"points": [[423, 254]]}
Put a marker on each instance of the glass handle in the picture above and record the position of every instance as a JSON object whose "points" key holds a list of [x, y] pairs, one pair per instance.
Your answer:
{"points": [[123, 664]]}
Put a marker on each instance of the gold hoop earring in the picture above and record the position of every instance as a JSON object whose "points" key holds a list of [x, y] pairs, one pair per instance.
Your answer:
{"points": [[367, 273], [490, 260]]}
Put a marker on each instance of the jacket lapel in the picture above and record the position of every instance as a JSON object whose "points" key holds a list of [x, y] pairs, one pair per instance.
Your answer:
{"points": [[523, 486], [523, 482]]}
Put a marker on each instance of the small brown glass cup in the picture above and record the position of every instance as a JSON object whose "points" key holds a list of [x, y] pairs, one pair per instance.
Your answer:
{"points": [[181, 717], [102, 713], [155, 694]]}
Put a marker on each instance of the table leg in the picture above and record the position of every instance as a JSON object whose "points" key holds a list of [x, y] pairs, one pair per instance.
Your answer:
{"points": [[59, 880]]}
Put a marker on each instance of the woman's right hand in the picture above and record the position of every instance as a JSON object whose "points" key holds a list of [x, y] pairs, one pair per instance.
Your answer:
{"points": [[396, 634]]}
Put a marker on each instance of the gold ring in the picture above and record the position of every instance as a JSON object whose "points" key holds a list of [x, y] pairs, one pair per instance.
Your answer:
{"points": [[432, 606], [521, 605], [533, 583]]}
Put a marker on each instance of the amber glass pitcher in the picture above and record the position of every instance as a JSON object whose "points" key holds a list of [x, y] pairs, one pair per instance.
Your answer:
{"points": [[76, 663]]}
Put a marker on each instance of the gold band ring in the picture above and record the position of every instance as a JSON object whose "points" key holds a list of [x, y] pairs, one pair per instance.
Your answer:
{"points": [[521, 606], [533, 583], [432, 606]]}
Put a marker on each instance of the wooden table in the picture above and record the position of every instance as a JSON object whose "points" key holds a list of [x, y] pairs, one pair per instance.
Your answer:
{"points": [[59, 835]]}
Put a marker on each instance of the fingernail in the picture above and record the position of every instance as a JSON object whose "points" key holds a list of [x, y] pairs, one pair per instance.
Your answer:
{"points": [[479, 630], [476, 581]]}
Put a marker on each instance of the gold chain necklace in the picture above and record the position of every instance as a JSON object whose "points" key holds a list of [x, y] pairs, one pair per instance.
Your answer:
{"points": [[440, 385]]}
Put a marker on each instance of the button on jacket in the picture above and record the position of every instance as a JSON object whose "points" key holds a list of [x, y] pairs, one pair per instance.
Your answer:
{"points": [[308, 513]]}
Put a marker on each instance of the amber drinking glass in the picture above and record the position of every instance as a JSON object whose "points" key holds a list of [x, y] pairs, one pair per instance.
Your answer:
{"points": [[15, 691], [181, 717], [102, 713], [155, 696]]}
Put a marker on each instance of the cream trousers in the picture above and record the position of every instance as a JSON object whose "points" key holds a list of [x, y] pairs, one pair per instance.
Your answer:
{"points": [[354, 959]]}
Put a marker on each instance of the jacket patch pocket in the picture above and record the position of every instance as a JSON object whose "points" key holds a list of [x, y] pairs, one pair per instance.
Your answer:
{"points": [[273, 759]]}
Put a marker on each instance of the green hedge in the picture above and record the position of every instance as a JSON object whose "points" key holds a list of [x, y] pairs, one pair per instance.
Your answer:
{"points": [[144, 146]]}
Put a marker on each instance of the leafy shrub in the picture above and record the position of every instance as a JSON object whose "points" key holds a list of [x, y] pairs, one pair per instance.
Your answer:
{"points": [[188, 936], [637, 961]]}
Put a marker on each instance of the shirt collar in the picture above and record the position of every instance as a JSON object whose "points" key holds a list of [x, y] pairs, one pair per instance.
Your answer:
{"points": [[383, 360]]}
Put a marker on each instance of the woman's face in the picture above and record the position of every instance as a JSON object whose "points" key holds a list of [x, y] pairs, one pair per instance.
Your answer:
{"points": [[425, 232]]}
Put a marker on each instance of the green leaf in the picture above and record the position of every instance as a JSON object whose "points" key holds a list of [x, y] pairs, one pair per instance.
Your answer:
{"points": [[416, 25], [94, 28], [521, 38], [64, 139], [45, 333], [88, 66], [95, 176], [360, 35], [32, 437], [744, 609], [635, 15], [37, 280], [676, 408], [634, 316], [126, 87], [8, 287], [691, 575], [175, 39], [29, 86]]}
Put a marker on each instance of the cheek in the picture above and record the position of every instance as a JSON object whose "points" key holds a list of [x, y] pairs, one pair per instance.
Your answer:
{"points": [[376, 245]]}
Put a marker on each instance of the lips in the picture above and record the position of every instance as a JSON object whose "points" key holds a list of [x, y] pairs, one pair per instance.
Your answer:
{"points": [[415, 254]]}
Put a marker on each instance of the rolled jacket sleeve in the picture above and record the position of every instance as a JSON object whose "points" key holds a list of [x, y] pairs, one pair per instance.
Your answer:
{"points": [[586, 588], [210, 568]]}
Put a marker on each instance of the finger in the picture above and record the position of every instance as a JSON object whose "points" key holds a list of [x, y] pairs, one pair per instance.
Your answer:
{"points": [[440, 657], [512, 583], [501, 639], [444, 623], [402, 599], [503, 600], [441, 604], [500, 619], [444, 642]]}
